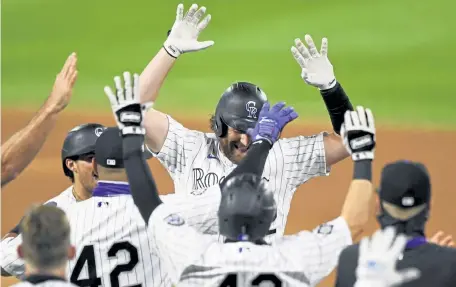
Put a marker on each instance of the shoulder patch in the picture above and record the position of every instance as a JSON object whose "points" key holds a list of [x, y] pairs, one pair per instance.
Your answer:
{"points": [[174, 219], [325, 229]]}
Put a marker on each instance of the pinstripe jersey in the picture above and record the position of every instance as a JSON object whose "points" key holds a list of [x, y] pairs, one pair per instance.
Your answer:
{"points": [[50, 283], [9, 260], [303, 259], [195, 162], [113, 247]]}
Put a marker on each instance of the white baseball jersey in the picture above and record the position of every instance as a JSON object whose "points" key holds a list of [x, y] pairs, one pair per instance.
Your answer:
{"points": [[195, 162], [49, 283], [10, 262], [112, 244], [303, 259]]}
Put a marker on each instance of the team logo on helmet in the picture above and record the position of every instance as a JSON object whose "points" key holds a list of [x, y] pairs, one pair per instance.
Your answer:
{"points": [[251, 109], [99, 131]]}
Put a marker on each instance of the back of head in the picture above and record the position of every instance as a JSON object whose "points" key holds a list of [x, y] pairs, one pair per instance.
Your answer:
{"points": [[247, 208], [238, 108], [45, 237], [405, 195], [80, 141]]}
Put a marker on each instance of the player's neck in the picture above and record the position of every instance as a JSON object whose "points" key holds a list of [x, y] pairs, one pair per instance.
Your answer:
{"points": [[59, 272], [80, 192]]}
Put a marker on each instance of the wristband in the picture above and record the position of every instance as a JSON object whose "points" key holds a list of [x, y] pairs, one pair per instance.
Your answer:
{"points": [[337, 103], [363, 169]]}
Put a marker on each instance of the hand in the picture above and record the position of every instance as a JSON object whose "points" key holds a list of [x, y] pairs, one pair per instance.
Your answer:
{"points": [[316, 70], [186, 29], [358, 133], [63, 86], [125, 104], [377, 260], [271, 122], [446, 241]]}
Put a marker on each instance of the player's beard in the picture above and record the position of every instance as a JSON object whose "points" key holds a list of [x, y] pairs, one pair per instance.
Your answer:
{"points": [[235, 151]]}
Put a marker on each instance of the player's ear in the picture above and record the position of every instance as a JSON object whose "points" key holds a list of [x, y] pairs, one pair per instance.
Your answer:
{"points": [[70, 164], [71, 252], [20, 252], [94, 166]]}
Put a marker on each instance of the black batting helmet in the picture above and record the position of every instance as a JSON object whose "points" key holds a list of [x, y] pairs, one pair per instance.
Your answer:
{"points": [[238, 108], [247, 208], [79, 141]]}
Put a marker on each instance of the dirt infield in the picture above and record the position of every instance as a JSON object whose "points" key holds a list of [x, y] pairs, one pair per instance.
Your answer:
{"points": [[315, 202]]}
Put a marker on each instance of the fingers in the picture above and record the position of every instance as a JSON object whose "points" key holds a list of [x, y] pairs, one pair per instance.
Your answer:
{"points": [[312, 48], [70, 62], [191, 12], [436, 237], [111, 96], [298, 57], [342, 130], [205, 44], [136, 93], [398, 246], [277, 107], [73, 77], [128, 86], [348, 120], [180, 12], [203, 24], [302, 49], [289, 113], [198, 15], [370, 119], [324, 47], [362, 116], [364, 247], [119, 89], [355, 119], [264, 109], [446, 241]]}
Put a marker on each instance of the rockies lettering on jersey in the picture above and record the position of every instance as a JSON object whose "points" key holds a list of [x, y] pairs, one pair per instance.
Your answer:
{"points": [[195, 162], [303, 259], [112, 244]]}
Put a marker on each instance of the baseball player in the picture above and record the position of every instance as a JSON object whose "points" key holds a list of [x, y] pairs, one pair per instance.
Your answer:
{"points": [[113, 246], [247, 208], [198, 160], [46, 247], [377, 260], [77, 153], [20, 149]]}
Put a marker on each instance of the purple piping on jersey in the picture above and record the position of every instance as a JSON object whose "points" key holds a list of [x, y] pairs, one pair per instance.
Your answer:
{"points": [[104, 189], [415, 242]]}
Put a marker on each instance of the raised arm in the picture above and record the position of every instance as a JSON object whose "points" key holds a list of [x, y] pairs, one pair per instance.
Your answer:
{"points": [[19, 150], [317, 71], [358, 133], [183, 38]]}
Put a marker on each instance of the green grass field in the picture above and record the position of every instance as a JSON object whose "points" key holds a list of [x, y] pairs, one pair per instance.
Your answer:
{"points": [[393, 56]]}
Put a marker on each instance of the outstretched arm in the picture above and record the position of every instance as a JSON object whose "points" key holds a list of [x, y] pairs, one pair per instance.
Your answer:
{"points": [[317, 71], [183, 38], [19, 150]]}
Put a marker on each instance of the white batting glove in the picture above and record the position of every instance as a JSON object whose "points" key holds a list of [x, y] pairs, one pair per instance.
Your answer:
{"points": [[316, 70], [377, 260], [358, 133], [186, 29], [125, 104]]}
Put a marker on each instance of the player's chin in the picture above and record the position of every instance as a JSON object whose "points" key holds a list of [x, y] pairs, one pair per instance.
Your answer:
{"points": [[238, 152]]}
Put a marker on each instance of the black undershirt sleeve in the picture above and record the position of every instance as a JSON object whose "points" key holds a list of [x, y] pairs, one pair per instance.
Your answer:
{"points": [[142, 184], [337, 103], [253, 162]]}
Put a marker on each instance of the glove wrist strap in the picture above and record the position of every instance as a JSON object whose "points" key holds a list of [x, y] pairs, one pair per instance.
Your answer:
{"points": [[133, 130], [363, 169], [171, 49]]}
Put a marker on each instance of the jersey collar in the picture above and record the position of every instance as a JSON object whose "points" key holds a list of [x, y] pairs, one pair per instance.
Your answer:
{"points": [[36, 279], [111, 188]]}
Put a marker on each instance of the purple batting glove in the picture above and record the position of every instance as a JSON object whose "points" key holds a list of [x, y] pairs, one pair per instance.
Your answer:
{"points": [[271, 122]]}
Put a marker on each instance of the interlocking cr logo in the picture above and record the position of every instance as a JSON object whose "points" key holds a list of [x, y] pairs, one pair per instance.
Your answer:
{"points": [[251, 109]]}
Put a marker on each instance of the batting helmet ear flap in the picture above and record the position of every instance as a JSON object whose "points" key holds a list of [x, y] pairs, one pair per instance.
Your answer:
{"points": [[220, 128]]}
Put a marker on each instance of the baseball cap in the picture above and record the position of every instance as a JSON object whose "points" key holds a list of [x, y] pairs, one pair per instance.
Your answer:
{"points": [[405, 185], [108, 149]]}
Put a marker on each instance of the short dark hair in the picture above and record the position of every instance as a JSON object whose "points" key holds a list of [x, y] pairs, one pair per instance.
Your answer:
{"points": [[212, 123], [45, 237]]}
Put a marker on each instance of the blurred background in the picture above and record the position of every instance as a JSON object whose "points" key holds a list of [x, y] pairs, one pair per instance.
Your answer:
{"points": [[396, 57]]}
